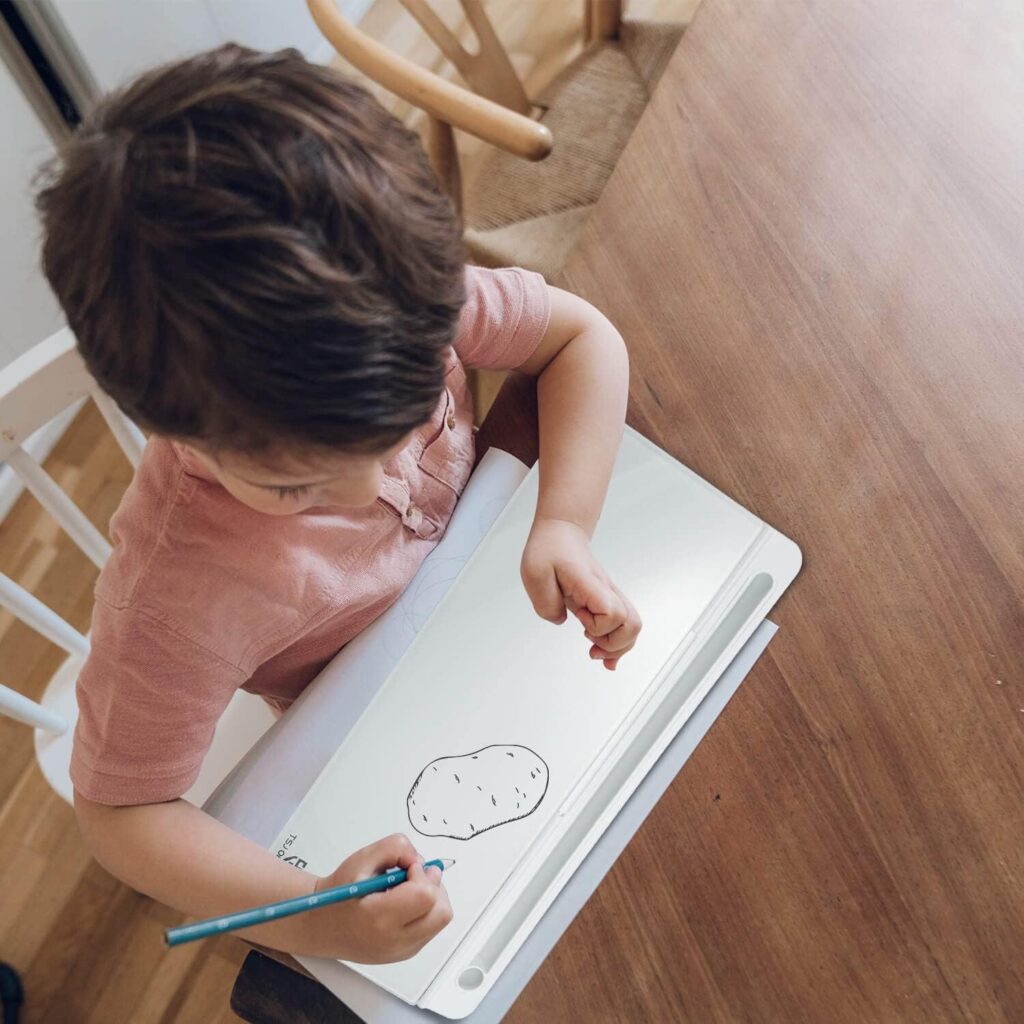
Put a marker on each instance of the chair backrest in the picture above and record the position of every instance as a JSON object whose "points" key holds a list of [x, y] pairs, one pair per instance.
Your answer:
{"points": [[495, 110], [34, 389], [489, 71]]}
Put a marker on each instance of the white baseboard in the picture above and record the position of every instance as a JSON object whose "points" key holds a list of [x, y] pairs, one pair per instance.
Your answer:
{"points": [[39, 445]]}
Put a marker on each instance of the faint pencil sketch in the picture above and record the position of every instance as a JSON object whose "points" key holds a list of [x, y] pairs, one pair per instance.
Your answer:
{"points": [[425, 591]]}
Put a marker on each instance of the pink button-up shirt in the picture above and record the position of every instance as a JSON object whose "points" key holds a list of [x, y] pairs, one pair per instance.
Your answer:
{"points": [[203, 595]]}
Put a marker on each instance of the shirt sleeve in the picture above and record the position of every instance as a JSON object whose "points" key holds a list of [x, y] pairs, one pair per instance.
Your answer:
{"points": [[504, 318], [148, 703]]}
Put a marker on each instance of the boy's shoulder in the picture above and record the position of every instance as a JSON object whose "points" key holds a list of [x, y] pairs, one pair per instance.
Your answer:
{"points": [[138, 526], [504, 317], [161, 539], [189, 557]]}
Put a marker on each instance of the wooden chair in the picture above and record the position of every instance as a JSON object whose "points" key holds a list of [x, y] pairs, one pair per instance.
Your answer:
{"points": [[516, 212], [34, 389]]}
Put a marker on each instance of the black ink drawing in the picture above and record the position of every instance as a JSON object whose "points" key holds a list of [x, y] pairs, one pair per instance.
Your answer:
{"points": [[467, 794]]}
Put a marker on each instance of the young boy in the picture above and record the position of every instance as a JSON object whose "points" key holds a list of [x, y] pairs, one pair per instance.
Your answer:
{"points": [[259, 267]]}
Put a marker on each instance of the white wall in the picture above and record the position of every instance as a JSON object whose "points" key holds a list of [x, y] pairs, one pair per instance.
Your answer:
{"points": [[119, 38], [28, 310]]}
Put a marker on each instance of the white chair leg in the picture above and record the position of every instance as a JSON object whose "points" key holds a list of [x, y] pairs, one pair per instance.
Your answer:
{"points": [[93, 544], [128, 436], [21, 709], [43, 620]]}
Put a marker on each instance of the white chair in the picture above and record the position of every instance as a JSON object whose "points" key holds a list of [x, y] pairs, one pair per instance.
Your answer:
{"points": [[34, 389]]}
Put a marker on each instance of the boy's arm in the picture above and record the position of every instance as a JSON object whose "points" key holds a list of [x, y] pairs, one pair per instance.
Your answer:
{"points": [[583, 384], [179, 855]]}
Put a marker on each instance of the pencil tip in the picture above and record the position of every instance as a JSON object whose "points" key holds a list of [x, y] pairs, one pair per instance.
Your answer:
{"points": [[447, 862]]}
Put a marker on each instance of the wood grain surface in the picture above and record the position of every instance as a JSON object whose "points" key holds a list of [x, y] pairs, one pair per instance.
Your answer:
{"points": [[814, 246]]}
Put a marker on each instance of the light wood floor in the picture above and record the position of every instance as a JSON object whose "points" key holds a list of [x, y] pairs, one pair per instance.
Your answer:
{"points": [[88, 948]]}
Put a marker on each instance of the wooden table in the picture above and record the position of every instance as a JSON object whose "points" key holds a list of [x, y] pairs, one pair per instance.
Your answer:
{"points": [[814, 245]]}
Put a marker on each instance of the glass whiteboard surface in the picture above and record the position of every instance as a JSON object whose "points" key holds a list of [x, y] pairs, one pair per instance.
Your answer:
{"points": [[489, 701]]}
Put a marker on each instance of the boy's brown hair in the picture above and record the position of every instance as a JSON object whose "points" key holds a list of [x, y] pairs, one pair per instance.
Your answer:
{"points": [[254, 255]]}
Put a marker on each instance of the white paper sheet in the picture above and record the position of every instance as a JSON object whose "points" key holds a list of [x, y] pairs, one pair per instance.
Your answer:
{"points": [[285, 763]]}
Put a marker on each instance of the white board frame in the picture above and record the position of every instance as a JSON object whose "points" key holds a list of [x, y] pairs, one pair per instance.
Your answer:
{"points": [[740, 604]]}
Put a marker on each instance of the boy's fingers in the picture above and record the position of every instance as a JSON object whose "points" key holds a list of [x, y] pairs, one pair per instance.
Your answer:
{"points": [[618, 629], [545, 594], [412, 899], [612, 618], [393, 851], [618, 640], [422, 875], [589, 597], [588, 589], [585, 616], [610, 662], [582, 612], [606, 608], [430, 923], [599, 654], [399, 849]]}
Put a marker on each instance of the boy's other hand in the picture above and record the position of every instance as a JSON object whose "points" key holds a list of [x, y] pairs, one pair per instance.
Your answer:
{"points": [[384, 926], [561, 575]]}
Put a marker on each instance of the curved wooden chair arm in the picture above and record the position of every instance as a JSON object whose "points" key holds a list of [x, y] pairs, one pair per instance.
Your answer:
{"points": [[443, 100]]}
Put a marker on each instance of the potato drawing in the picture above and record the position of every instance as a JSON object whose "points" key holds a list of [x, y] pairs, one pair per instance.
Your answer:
{"points": [[467, 794]]}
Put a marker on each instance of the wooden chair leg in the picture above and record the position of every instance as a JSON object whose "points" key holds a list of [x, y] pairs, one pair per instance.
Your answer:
{"points": [[445, 160], [268, 992], [513, 415], [601, 19], [484, 386]]}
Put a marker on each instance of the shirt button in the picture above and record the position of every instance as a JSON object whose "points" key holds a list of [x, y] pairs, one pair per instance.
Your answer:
{"points": [[451, 421], [410, 510]]}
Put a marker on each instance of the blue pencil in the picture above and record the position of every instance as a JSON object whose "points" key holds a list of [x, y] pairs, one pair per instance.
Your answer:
{"points": [[285, 908]]}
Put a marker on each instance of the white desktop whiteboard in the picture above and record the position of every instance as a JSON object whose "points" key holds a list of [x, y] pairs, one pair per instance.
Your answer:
{"points": [[497, 741]]}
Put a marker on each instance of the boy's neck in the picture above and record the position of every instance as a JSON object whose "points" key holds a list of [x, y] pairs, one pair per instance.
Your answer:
{"points": [[192, 464]]}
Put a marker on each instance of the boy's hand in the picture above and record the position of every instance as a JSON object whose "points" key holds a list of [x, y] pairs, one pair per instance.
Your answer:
{"points": [[560, 574], [384, 926]]}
